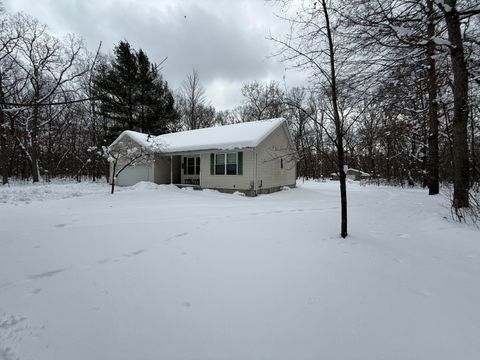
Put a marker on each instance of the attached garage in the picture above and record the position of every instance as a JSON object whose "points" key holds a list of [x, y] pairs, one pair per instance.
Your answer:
{"points": [[134, 174]]}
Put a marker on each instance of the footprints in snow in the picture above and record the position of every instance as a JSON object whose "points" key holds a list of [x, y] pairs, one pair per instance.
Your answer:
{"points": [[35, 291], [45, 274], [291, 211], [121, 257], [54, 272], [11, 328], [380, 233], [135, 253], [62, 225], [175, 236], [140, 251], [187, 305]]}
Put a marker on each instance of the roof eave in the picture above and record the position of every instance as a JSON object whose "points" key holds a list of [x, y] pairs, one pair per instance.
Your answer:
{"points": [[173, 153]]}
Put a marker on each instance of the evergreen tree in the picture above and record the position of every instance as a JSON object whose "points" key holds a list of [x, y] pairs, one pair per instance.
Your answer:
{"points": [[133, 94]]}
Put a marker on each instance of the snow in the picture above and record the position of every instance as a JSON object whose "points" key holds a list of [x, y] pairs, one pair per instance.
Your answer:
{"points": [[157, 272], [227, 137], [440, 41], [21, 193], [402, 31]]}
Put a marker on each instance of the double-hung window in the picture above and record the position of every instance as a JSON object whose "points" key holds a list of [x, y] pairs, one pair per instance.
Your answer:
{"points": [[227, 163], [219, 164], [231, 164]]}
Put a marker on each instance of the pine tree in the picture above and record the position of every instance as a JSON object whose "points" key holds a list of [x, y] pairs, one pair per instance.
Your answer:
{"points": [[132, 93]]}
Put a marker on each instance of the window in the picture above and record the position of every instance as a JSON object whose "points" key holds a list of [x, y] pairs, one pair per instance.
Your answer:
{"points": [[192, 165], [281, 163], [226, 164], [232, 164], [220, 164]]}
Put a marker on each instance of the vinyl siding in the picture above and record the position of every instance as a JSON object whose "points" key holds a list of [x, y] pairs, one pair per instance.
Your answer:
{"points": [[240, 182], [269, 154]]}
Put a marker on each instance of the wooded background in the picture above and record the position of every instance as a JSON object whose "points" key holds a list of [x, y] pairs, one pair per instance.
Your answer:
{"points": [[407, 94]]}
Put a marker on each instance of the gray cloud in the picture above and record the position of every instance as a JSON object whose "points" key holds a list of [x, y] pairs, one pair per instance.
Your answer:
{"points": [[224, 40]]}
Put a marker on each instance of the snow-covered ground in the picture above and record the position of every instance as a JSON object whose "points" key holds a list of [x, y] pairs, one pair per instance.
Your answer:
{"points": [[155, 272]]}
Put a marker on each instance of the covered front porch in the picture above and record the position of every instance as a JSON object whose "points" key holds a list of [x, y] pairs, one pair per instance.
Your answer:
{"points": [[181, 170]]}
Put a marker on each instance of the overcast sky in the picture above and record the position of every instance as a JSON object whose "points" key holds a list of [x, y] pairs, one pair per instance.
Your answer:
{"points": [[223, 39]]}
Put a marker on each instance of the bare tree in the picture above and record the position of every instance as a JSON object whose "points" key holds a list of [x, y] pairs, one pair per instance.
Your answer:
{"points": [[195, 111], [311, 46], [9, 40], [264, 100], [460, 95], [51, 69], [126, 154]]}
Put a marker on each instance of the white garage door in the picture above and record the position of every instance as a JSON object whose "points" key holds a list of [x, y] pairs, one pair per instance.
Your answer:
{"points": [[132, 175]]}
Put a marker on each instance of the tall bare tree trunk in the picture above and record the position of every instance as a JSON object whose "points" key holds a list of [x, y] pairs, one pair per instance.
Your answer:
{"points": [[432, 160], [112, 176], [460, 107], [474, 173], [4, 158], [34, 151], [338, 125]]}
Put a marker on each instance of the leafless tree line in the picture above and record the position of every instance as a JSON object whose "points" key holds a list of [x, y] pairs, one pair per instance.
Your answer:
{"points": [[393, 90], [43, 87]]}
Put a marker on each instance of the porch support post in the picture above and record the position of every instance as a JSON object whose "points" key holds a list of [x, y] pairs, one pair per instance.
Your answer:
{"points": [[171, 169]]}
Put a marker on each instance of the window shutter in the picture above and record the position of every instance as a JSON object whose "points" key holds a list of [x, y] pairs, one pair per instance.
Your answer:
{"points": [[212, 164], [240, 163], [184, 166]]}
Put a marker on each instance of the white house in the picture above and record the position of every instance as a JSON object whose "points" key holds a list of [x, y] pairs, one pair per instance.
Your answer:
{"points": [[253, 157]]}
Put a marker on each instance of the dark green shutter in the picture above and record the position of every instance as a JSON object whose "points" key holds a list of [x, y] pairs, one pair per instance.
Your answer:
{"points": [[240, 163], [184, 166], [212, 164]]}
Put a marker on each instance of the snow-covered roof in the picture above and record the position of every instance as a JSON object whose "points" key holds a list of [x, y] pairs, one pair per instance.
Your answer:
{"points": [[226, 137], [363, 173]]}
